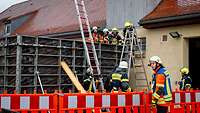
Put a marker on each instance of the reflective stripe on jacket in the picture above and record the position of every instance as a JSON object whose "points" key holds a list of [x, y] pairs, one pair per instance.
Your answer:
{"points": [[162, 92], [116, 76]]}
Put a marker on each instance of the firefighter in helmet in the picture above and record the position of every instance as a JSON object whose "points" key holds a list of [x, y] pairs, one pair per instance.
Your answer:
{"points": [[161, 85], [128, 27], [124, 79], [116, 80], [95, 34], [105, 35], [186, 81], [116, 37], [88, 79]]}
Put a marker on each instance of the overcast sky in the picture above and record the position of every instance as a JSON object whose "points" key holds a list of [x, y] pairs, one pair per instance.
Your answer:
{"points": [[4, 4]]}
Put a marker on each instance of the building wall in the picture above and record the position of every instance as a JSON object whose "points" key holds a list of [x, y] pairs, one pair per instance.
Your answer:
{"points": [[119, 11], [173, 52]]}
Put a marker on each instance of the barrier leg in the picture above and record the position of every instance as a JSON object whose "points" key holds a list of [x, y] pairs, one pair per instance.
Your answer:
{"points": [[113, 110], [44, 111], [34, 111], [71, 111], [24, 111], [171, 108], [193, 108], [187, 108], [147, 108], [154, 110], [61, 111], [142, 109], [128, 110], [97, 110], [88, 110], [197, 108], [135, 110], [121, 110], [80, 110]]}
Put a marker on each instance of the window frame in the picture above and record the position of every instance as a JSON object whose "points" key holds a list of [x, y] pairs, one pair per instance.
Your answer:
{"points": [[7, 28]]}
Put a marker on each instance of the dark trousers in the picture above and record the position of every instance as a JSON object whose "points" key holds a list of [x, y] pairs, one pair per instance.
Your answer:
{"points": [[162, 109], [116, 85]]}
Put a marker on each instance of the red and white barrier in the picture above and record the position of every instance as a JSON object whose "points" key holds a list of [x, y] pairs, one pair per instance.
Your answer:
{"points": [[186, 96], [73, 102], [101, 100], [27, 101]]}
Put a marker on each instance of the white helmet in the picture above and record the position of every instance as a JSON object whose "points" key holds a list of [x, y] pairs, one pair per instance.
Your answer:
{"points": [[156, 59], [105, 30], [94, 28], [89, 70], [123, 64]]}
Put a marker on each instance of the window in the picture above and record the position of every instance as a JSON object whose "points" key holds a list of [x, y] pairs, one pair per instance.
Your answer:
{"points": [[164, 38], [142, 44], [7, 28]]}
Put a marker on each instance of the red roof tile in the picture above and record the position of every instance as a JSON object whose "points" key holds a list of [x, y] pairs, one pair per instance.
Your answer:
{"points": [[173, 8], [54, 16]]}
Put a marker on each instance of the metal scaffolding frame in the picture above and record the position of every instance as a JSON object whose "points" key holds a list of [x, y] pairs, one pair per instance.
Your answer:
{"points": [[22, 56]]}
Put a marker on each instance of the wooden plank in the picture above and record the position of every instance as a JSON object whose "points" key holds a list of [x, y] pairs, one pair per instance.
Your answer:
{"points": [[71, 75]]}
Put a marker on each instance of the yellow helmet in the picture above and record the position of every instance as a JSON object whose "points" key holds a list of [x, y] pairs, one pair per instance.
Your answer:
{"points": [[115, 29], [127, 24], [184, 70]]}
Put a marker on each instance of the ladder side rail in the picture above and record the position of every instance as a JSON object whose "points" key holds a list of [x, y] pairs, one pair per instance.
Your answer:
{"points": [[130, 53], [137, 42], [91, 40], [124, 44], [141, 56], [82, 34], [94, 51]]}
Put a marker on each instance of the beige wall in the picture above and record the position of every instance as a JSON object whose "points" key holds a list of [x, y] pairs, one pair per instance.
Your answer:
{"points": [[173, 52]]}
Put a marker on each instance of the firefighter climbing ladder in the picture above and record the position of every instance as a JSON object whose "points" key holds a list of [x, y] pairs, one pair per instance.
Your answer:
{"points": [[90, 50], [132, 52]]}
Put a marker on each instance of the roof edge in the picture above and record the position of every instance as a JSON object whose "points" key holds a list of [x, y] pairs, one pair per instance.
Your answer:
{"points": [[167, 19]]}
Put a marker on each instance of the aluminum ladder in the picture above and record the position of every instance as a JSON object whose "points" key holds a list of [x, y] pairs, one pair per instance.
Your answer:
{"points": [[89, 48], [133, 54]]}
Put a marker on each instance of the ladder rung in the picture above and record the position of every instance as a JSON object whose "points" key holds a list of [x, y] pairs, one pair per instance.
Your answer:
{"points": [[140, 72], [141, 86], [82, 12], [137, 52], [82, 17], [140, 79], [79, 4], [138, 65], [85, 29], [84, 24]]}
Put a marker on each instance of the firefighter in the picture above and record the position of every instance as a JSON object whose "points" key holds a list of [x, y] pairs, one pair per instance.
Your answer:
{"points": [[128, 27], [88, 79], [124, 79], [95, 34], [116, 37], [110, 36], [105, 35], [116, 80], [100, 35], [186, 81], [161, 85]]}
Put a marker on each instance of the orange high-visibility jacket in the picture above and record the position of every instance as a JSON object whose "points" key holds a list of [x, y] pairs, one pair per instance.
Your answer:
{"points": [[162, 93]]}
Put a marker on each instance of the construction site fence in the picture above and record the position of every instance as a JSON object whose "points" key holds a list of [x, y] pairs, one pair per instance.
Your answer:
{"points": [[129, 102]]}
